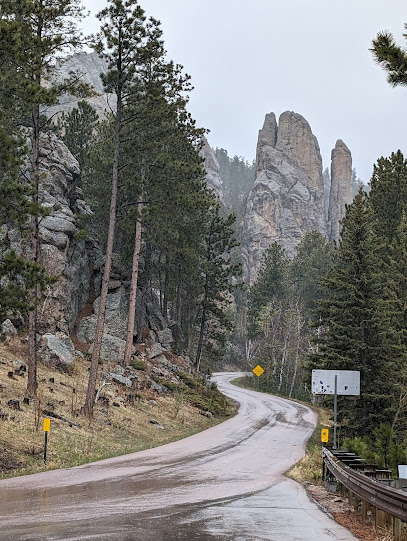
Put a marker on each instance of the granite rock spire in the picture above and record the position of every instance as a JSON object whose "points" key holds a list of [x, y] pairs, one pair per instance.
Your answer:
{"points": [[286, 200], [341, 193]]}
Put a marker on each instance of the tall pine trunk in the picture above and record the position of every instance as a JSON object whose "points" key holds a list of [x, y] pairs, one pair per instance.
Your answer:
{"points": [[166, 286], [32, 383], [97, 345], [200, 342], [134, 279]]}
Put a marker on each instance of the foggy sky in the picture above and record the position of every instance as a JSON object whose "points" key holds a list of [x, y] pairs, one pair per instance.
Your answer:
{"points": [[249, 58]]}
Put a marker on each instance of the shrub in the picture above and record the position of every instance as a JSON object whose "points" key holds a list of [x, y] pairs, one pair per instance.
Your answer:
{"points": [[138, 364]]}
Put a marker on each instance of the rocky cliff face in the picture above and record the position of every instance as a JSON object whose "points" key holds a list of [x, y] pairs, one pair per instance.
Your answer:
{"points": [[72, 303], [89, 66], [62, 253], [287, 199], [341, 193], [211, 166]]}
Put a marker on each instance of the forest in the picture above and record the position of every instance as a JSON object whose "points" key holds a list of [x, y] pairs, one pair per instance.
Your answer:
{"points": [[341, 306], [141, 173]]}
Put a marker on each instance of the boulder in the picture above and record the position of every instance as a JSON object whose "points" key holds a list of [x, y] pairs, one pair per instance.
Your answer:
{"points": [[160, 389], [7, 329], [117, 306], [165, 337], [155, 350], [121, 379], [57, 350], [112, 348]]}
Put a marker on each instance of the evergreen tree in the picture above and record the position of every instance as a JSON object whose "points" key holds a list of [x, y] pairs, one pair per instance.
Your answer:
{"points": [[391, 57], [160, 112], [218, 273], [127, 42], [357, 316], [396, 271], [77, 130], [270, 284], [308, 268], [388, 195], [38, 31]]}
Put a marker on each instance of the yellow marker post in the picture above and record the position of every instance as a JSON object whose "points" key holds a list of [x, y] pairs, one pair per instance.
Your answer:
{"points": [[324, 435], [258, 370], [46, 427]]}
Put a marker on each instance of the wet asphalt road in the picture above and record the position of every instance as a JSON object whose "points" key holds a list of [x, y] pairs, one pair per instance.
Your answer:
{"points": [[225, 483]]}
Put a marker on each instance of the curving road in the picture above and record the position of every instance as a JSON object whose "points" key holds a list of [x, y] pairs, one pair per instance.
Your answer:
{"points": [[225, 483]]}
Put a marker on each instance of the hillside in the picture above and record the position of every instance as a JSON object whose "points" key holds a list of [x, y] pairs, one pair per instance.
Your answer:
{"points": [[164, 404]]}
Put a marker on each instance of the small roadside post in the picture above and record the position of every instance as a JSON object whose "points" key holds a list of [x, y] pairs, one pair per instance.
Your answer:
{"points": [[46, 427], [324, 440], [336, 382]]}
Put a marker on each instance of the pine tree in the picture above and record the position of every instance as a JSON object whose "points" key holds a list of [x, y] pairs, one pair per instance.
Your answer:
{"points": [[396, 271], [356, 316], [218, 273], [391, 57], [270, 284], [308, 268], [77, 129], [127, 42], [388, 195], [38, 31], [158, 109]]}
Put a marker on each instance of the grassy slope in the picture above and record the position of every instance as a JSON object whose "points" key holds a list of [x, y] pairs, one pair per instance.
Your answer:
{"points": [[113, 431]]}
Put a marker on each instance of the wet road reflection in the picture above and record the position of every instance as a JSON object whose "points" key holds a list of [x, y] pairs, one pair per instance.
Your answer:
{"points": [[225, 483]]}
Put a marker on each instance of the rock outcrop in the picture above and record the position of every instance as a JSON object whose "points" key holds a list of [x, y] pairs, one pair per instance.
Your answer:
{"points": [[287, 198], [211, 166], [341, 193], [62, 254], [89, 66]]}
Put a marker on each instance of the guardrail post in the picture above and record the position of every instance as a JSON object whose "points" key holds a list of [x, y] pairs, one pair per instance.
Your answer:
{"points": [[367, 512], [384, 521], [399, 530]]}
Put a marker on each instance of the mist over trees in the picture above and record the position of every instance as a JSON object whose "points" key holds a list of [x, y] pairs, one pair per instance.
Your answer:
{"points": [[237, 176]]}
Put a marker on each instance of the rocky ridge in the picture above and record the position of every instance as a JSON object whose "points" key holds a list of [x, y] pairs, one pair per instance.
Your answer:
{"points": [[286, 200], [89, 66]]}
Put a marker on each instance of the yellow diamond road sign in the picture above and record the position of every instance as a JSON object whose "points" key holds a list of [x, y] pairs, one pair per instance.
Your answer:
{"points": [[258, 370]]}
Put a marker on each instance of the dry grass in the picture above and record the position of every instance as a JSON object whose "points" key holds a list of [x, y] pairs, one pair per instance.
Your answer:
{"points": [[113, 430], [309, 468]]}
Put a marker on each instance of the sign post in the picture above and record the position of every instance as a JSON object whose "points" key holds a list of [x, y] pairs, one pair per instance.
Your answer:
{"points": [[46, 427], [335, 409], [342, 382]]}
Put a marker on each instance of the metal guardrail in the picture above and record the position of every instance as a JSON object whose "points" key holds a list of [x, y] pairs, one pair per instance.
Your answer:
{"points": [[385, 498]]}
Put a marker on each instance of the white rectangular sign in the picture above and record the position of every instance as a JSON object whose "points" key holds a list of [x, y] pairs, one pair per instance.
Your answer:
{"points": [[348, 382]]}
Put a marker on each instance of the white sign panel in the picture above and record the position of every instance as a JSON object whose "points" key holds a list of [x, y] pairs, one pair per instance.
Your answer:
{"points": [[348, 382]]}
